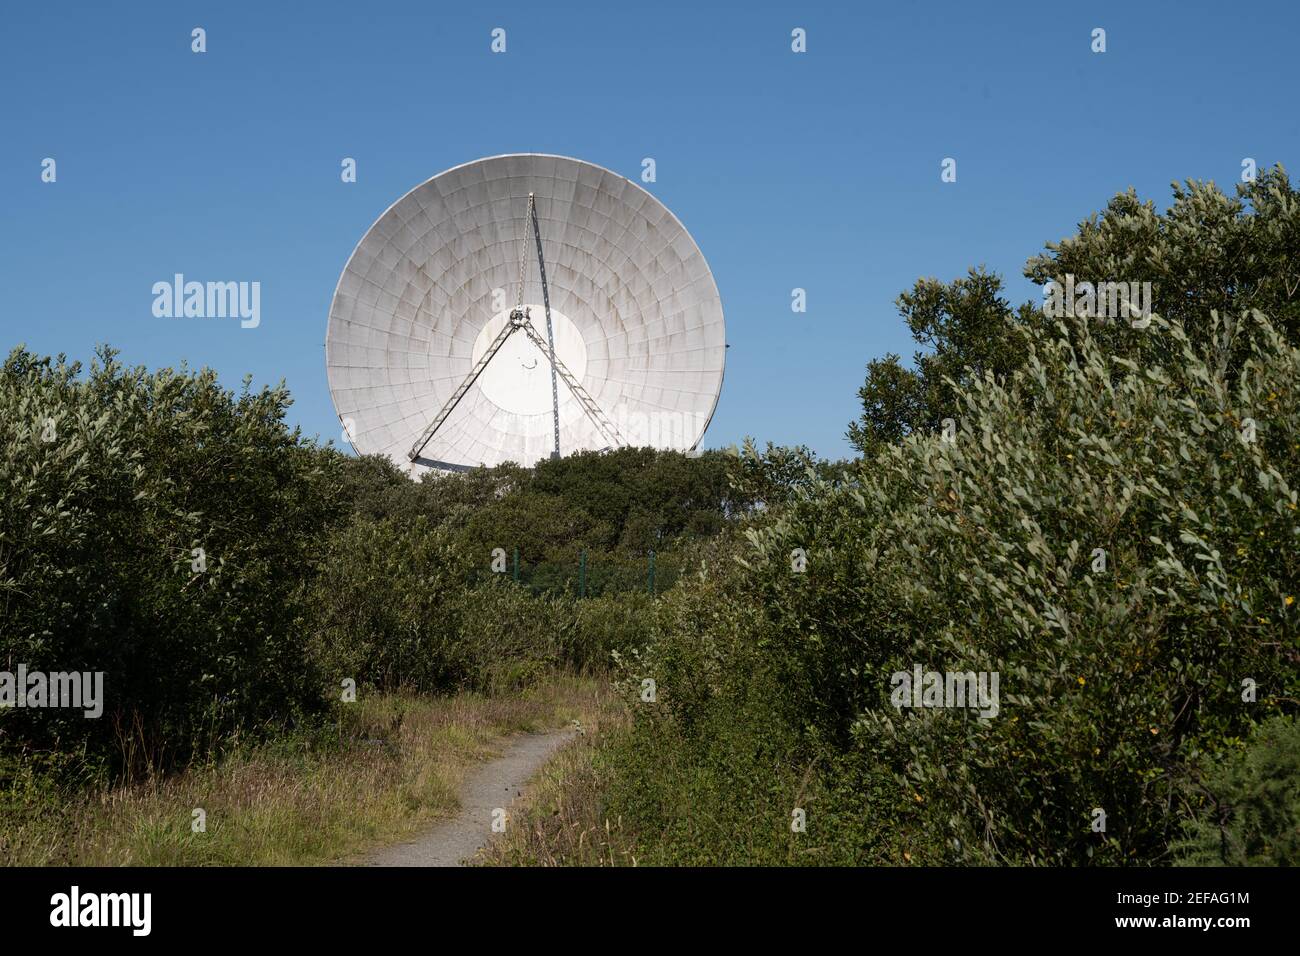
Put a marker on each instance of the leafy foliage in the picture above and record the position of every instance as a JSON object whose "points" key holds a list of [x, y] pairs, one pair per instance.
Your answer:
{"points": [[966, 325], [1251, 812], [1207, 253], [978, 554], [225, 575], [110, 482]]}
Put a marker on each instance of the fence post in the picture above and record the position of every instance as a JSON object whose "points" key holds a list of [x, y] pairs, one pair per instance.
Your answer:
{"points": [[651, 582]]}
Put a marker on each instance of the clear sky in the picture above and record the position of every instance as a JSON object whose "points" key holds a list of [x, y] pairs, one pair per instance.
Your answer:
{"points": [[818, 170]]}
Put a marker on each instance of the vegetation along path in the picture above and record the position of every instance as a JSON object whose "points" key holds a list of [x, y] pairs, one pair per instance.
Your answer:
{"points": [[486, 792]]}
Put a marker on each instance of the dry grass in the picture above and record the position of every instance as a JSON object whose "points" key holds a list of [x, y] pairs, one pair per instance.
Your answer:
{"points": [[561, 819], [393, 767]]}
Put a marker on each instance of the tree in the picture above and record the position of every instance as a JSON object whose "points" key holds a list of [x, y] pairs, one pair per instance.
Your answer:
{"points": [[967, 327], [1207, 253]]}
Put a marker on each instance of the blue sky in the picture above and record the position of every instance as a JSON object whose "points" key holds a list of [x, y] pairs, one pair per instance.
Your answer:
{"points": [[819, 171]]}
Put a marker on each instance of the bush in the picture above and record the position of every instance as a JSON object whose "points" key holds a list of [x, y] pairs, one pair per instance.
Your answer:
{"points": [[609, 625], [110, 483], [227, 575], [384, 610], [978, 554], [1249, 813]]}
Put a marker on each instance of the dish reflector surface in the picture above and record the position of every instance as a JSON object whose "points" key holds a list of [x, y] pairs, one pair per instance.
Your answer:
{"points": [[636, 317]]}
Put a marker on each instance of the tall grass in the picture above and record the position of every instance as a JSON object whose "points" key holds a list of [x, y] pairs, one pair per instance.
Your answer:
{"points": [[389, 766]]}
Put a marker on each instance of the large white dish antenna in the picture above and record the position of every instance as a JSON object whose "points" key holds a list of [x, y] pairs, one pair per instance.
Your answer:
{"points": [[434, 361]]}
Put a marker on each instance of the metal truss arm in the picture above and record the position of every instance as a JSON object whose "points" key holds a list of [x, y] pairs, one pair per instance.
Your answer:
{"points": [[602, 421], [427, 435]]}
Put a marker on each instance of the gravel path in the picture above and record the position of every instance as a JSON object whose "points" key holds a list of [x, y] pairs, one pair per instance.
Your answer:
{"points": [[491, 786]]}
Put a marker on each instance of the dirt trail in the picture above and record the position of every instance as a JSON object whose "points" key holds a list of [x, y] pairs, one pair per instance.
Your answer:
{"points": [[494, 784]]}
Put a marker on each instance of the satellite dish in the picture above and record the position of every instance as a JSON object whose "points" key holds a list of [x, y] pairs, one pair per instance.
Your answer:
{"points": [[520, 307]]}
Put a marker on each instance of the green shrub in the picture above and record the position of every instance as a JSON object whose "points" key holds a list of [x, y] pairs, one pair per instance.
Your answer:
{"points": [[396, 605], [227, 576], [608, 625], [109, 483], [513, 637], [384, 610], [1249, 804], [978, 554]]}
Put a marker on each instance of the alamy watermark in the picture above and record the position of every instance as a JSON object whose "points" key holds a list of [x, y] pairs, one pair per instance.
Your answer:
{"points": [[976, 690], [1098, 300], [24, 688], [661, 429], [208, 300], [130, 910]]}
